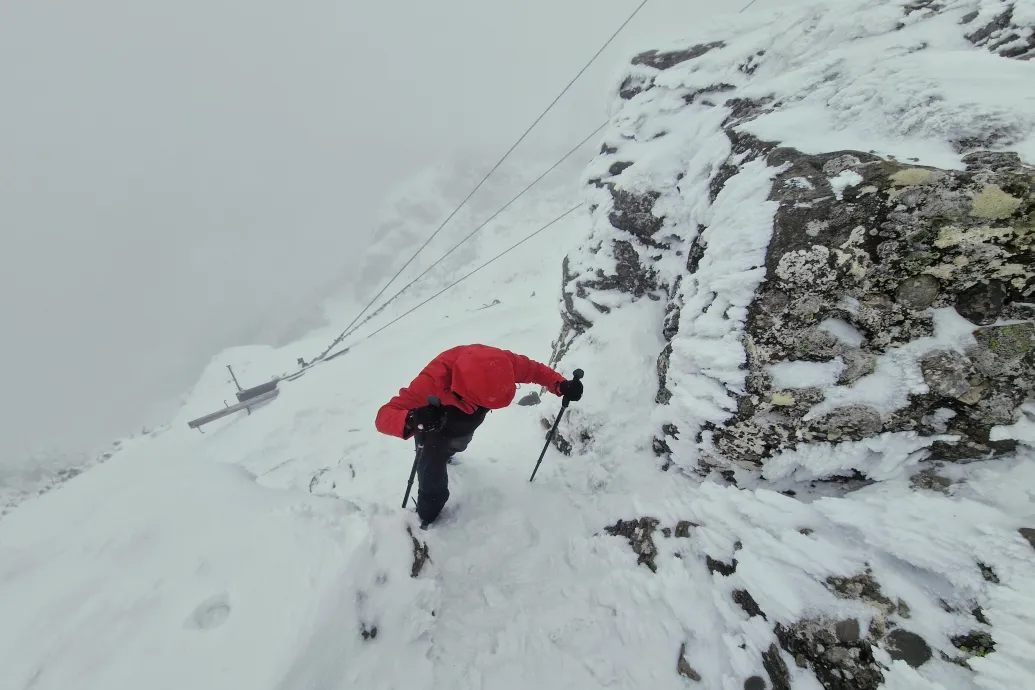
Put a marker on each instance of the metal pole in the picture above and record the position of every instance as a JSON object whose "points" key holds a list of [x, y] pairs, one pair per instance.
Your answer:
{"points": [[230, 409], [234, 378], [549, 437]]}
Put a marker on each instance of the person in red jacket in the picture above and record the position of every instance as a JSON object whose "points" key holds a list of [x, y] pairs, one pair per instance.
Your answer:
{"points": [[469, 380]]}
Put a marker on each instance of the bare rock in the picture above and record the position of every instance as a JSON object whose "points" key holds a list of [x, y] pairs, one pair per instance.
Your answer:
{"points": [[1029, 534], [748, 603], [847, 631], [849, 423], [983, 303], [683, 528], [947, 373], [719, 567], [775, 667], [530, 400], [754, 683], [858, 363], [420, 555], [634, 213], [683, 666], [1003, 35], [863, 587], [640, 534], [838, 665], [929, 480], [918, 292], [907, 646], [665, 60], [815, 345]]}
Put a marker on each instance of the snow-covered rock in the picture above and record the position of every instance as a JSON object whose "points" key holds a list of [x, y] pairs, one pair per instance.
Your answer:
{"points": [[825, 221], [823, 295]]}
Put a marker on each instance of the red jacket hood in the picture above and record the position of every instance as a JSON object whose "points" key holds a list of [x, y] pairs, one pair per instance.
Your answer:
{"points": [[484, 378]]}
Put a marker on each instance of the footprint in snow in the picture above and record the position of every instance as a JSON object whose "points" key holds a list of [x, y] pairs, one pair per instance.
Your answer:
{"points": [[210, 613]]}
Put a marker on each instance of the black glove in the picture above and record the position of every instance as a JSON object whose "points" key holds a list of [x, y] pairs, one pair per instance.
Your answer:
{"points": [[572, 390], [427, 418]]}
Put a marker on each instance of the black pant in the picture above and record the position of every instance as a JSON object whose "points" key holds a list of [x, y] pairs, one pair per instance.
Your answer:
{"points": [[438, 447]]}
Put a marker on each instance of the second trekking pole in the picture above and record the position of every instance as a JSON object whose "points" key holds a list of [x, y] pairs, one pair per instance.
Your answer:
{"points": [[432, 400], [549, 437]]}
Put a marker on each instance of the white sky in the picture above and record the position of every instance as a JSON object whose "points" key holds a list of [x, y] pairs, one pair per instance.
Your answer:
{"points": [[157, 157]]}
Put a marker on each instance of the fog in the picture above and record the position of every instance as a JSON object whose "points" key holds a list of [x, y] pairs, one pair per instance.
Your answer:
{"points": [[180, 177]]}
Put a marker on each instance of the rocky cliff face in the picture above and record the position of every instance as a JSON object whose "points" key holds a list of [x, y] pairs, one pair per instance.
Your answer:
{"points": [[857, 295], [826, 243], [856, 278]]}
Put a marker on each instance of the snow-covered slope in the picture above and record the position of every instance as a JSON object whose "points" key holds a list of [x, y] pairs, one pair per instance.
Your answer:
{"points": [[270, 552]]}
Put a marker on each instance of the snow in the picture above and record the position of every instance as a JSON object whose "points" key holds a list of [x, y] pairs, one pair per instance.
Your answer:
{"points": [[843, 331], [898, 374], [806, 374], [1022, 430], [846, 179], [860, 85], [259, 553]]}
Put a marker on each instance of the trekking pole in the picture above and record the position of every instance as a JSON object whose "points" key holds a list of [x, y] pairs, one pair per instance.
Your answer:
{"points": [[549, 437], [434, 401]]}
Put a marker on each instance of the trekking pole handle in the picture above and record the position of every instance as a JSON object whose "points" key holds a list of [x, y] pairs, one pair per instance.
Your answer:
{"points": [[434, 402], [577, 374]]}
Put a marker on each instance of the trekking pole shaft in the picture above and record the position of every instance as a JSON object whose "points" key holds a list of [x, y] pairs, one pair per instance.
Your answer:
{"points": [[413, 473], [434, 402], [549, 437]]}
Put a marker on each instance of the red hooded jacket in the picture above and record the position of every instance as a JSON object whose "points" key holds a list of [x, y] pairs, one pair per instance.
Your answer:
{"points": [[466, 377]]}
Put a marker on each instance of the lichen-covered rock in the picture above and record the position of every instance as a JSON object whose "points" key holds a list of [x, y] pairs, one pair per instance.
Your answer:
{"points": [[1005, 351], [864, 587], [902, 240], [974, 643]]}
